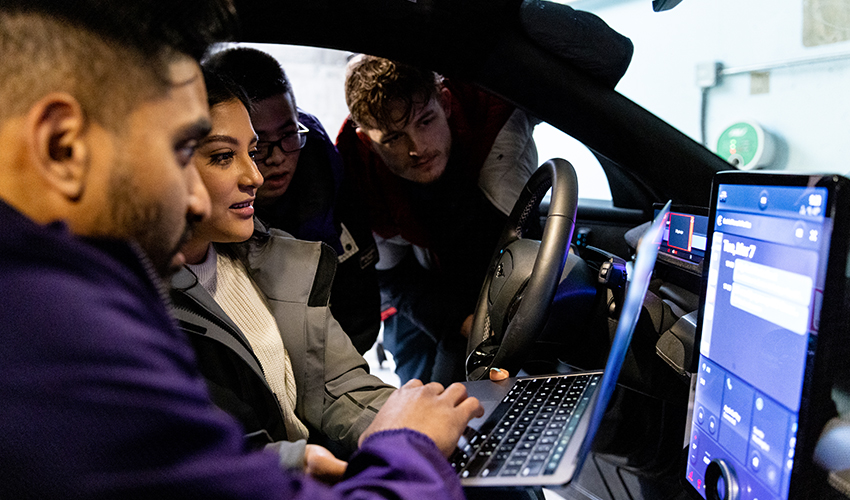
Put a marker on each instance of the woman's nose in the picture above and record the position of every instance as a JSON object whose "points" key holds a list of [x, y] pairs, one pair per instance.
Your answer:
{"points": [[251, 176]]}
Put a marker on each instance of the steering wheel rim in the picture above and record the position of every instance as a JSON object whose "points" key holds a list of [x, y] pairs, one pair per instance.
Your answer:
{"points": [[528, 298]]}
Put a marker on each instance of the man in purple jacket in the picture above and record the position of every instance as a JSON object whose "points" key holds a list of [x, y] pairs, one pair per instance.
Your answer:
{"points": [[101, 106]]}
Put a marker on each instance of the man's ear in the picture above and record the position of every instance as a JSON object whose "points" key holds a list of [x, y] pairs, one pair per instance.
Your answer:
{"points": [[445, 97], [57, 126]]}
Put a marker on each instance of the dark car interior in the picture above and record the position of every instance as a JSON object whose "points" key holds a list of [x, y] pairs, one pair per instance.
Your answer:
{"points": [[530, 53]]}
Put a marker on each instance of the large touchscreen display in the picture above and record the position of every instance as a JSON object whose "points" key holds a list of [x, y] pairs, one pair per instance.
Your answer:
{"points": [[766, 266]]}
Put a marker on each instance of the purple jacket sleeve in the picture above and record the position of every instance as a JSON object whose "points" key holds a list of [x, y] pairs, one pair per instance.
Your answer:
{"points": [[100, 396], [399, 464]]}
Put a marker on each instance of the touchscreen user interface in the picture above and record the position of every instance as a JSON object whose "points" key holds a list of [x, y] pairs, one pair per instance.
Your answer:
{"points": [[766, 267]]}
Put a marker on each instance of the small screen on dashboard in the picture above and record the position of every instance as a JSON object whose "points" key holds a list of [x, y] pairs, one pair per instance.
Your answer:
{"points": [[685, 237], [766, 269]]}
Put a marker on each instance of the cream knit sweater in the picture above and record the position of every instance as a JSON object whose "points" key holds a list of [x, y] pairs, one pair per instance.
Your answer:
{"points": [[227, 281]]}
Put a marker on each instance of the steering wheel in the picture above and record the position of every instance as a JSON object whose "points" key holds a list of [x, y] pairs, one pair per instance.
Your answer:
{"points": [[523, 274]]}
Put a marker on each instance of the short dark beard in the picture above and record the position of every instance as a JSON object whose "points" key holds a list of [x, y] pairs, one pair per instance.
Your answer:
{"points": [[144, 224]]}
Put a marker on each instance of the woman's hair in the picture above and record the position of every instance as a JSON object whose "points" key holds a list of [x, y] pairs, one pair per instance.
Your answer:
{"points": [[221, 88]]}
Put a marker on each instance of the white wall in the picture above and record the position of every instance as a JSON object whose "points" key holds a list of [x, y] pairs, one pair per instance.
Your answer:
{"points": [[807, 106]]}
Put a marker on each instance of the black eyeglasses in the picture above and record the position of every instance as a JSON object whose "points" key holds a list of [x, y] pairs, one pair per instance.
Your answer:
{"points": [[289, 143]]}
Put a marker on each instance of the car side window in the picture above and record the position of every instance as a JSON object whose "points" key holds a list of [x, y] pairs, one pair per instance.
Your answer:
{"points": [[317, 76], [592, 182]]}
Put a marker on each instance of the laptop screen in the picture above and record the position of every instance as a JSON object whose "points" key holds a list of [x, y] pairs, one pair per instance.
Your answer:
{"points": [[641, 274], [766, 267]]}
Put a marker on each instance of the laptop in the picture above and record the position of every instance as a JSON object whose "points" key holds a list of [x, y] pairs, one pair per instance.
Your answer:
{"points": [[536, 431]]}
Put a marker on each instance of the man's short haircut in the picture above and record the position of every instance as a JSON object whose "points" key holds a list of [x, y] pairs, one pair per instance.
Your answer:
{"points": [[373, 83], [254, 70], [110, 55]]}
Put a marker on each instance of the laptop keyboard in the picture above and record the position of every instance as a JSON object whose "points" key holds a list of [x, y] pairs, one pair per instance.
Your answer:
{"points": [[529, 430]]}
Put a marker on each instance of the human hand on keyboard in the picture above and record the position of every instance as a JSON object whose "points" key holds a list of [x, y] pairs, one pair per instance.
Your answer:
{"points": [[441, 414]]}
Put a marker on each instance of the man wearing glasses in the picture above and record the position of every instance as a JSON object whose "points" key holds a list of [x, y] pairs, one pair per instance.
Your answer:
{"points": [[304, 191]]}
